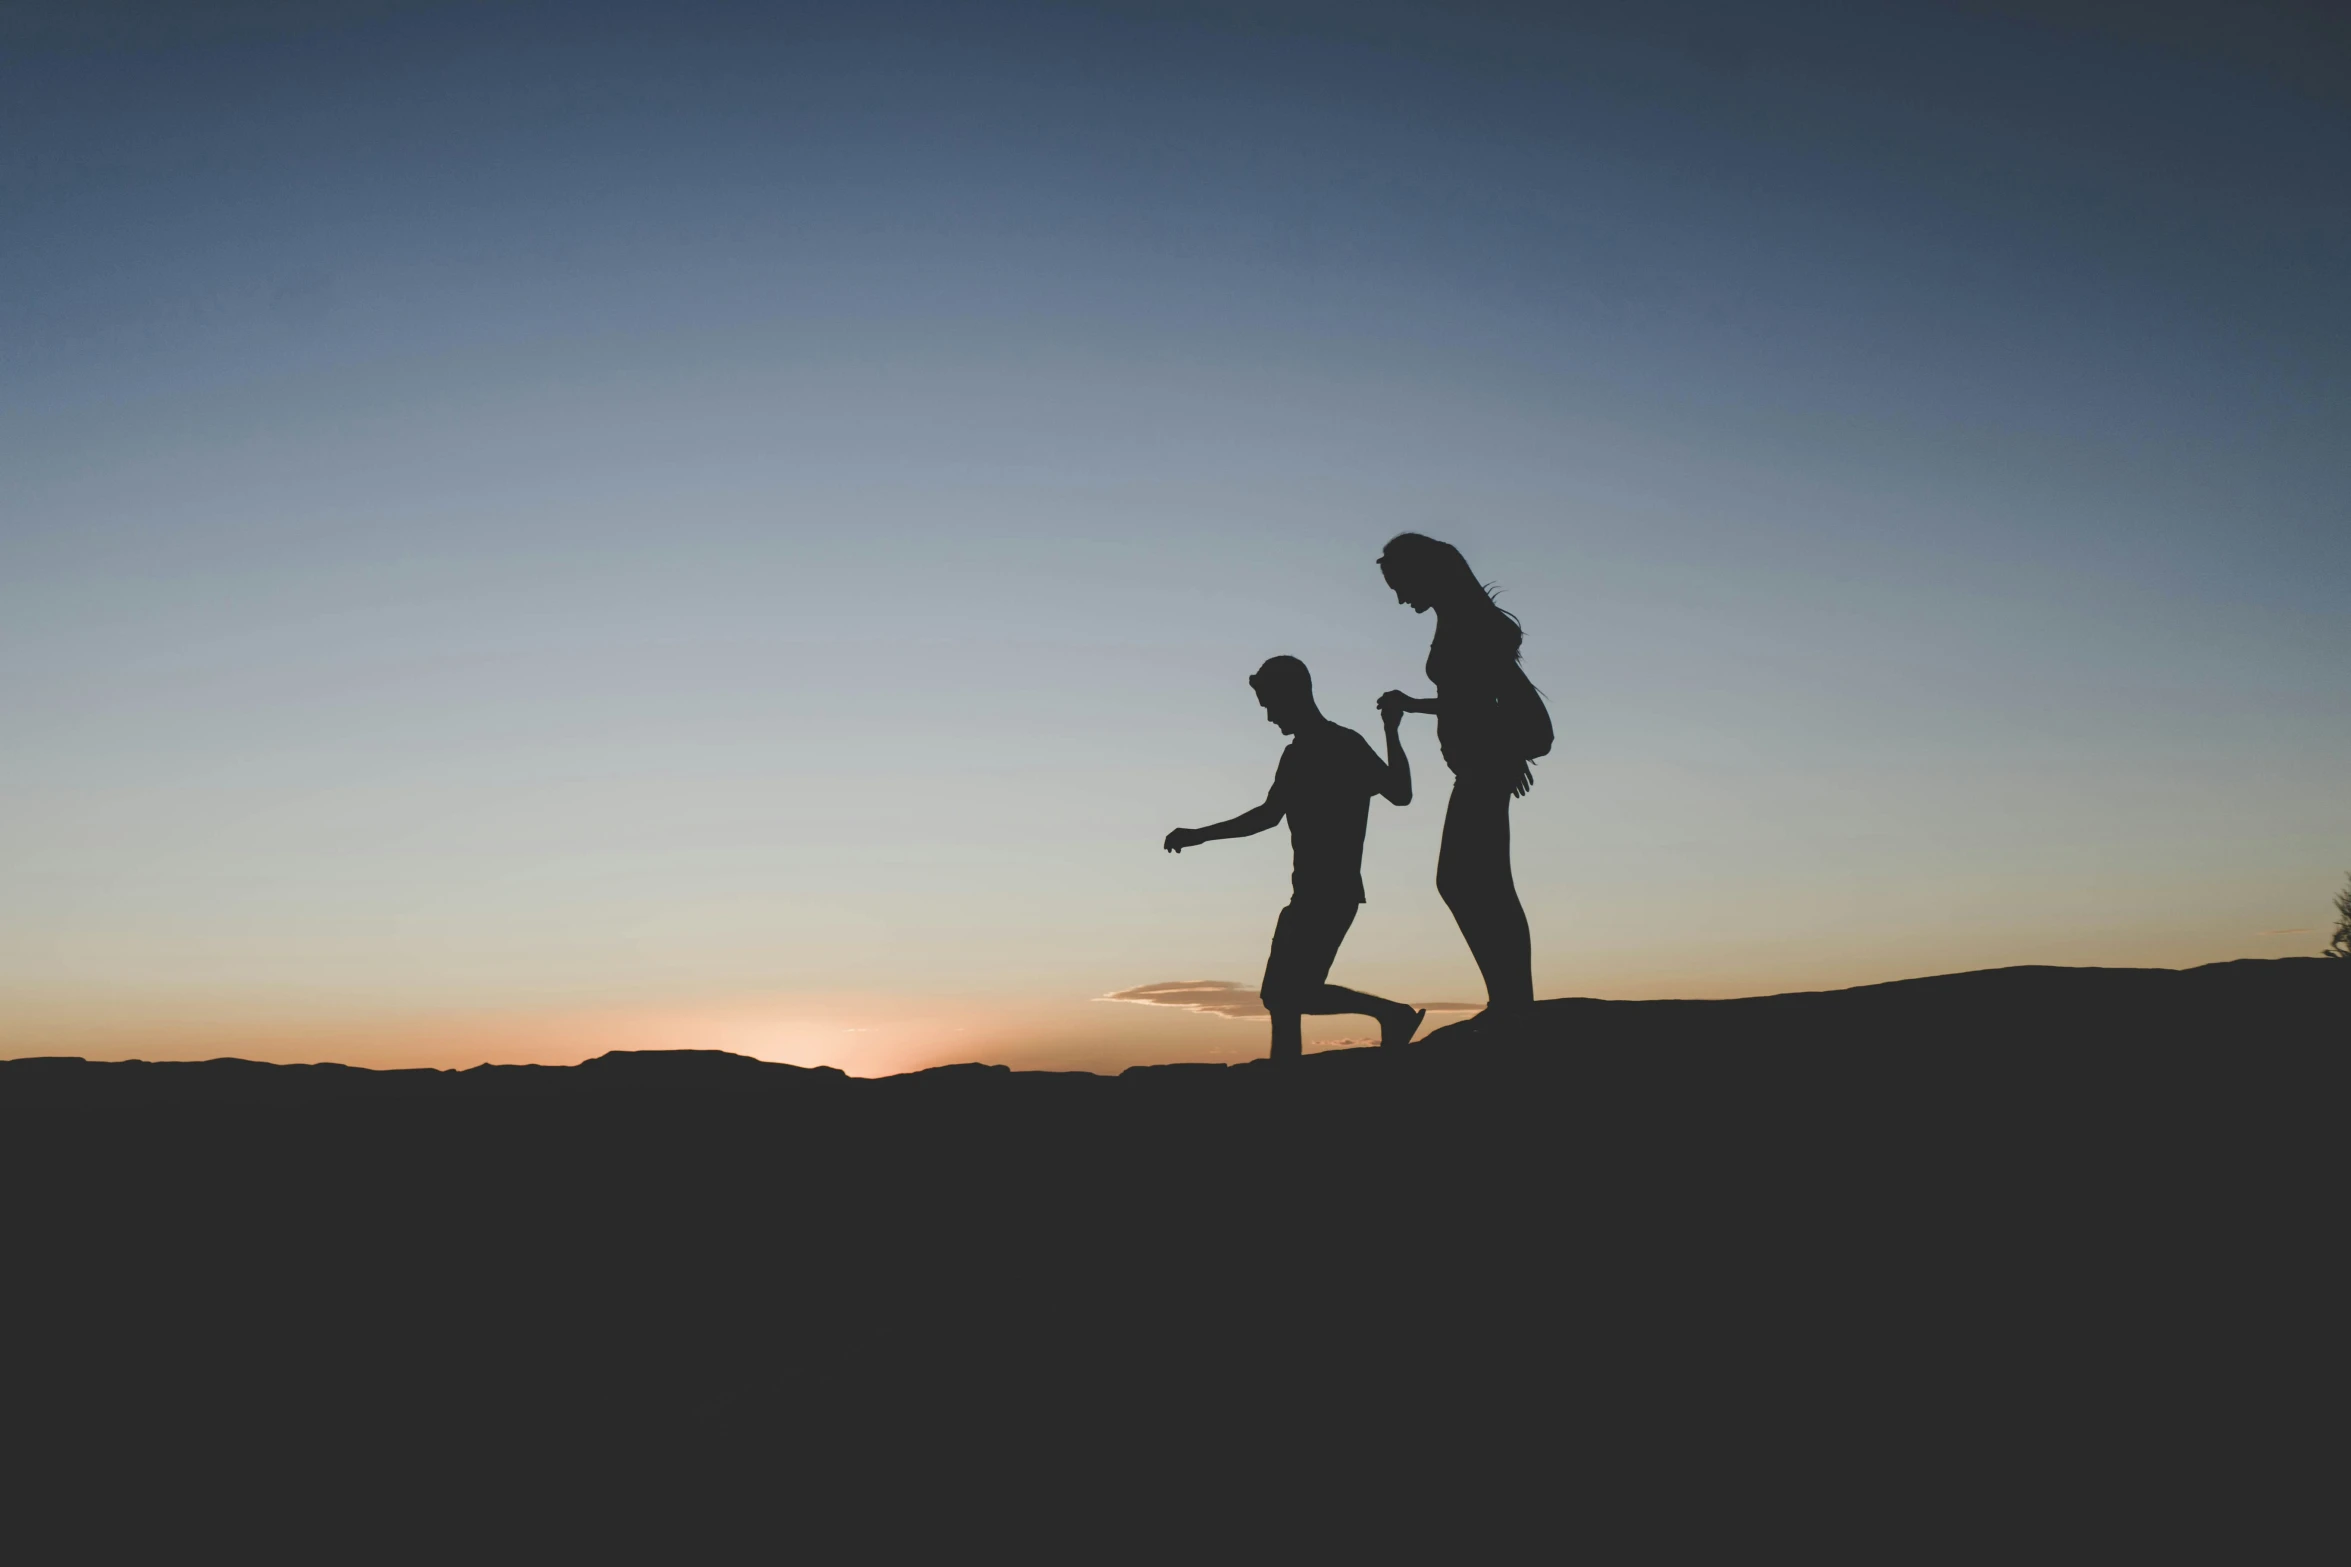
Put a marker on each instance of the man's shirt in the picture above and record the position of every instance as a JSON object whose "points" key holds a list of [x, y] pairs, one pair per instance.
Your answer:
{"points": [[1324, 786]]}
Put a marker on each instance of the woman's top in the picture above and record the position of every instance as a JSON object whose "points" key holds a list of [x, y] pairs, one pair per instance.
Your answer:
{"points": [[1474, 671]]}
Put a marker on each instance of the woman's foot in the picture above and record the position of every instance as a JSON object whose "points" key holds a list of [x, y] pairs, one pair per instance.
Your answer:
{"points": [[1399, 1029]]}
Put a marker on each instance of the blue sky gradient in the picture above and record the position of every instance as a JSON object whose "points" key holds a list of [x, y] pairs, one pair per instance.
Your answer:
{"points": [[513, 510]]}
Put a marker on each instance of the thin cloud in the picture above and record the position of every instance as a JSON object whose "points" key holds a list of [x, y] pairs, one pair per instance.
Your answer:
{"points": [[2298, 930], [1224, 998], [1218, 997]]}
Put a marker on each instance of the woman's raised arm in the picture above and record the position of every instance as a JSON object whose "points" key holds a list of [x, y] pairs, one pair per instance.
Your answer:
{"points": [[1405, 704]]}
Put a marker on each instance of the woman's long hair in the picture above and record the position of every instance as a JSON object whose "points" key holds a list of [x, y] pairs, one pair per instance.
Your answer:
{"points": [[1440, 568]]}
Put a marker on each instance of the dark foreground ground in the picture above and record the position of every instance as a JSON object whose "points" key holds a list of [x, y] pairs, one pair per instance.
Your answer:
{"points": [[1897, 1265]]}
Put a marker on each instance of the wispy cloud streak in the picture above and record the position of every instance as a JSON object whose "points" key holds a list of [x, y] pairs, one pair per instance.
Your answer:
{"points": [[1224, 998]]}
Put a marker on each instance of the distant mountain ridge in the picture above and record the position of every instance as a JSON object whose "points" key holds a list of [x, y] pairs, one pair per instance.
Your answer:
{"points": [[2244, 998]]}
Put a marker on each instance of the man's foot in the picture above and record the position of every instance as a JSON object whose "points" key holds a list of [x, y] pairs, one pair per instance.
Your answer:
{"points": [[1399, 1030]]}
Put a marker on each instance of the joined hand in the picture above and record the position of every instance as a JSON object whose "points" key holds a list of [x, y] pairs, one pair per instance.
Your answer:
{"points": [[1181, 839]]}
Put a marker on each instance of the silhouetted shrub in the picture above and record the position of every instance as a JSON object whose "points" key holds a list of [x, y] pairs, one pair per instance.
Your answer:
{"points": [[2340, 947]]}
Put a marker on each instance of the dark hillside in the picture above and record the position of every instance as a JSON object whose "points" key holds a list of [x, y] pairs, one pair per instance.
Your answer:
{"points": [[1845, 1234]]}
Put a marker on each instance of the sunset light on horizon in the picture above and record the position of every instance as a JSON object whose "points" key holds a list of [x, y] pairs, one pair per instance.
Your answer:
{"points": [[528, 531]]}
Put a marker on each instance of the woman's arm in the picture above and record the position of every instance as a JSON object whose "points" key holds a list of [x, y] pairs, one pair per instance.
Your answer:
{"points": [[1397, 789], [1401, 703]]}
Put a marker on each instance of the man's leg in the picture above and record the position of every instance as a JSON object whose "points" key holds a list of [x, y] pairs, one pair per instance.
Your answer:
{"points": [[1287, 966], [1306, 942], [1288, 1037], [1398, 1022]]}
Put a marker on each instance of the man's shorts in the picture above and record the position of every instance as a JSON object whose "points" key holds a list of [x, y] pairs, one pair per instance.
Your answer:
{"points": [[1305, 944]]}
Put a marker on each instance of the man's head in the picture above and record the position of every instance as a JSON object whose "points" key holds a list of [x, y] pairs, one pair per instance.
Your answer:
{"points": [[1287, 692]]}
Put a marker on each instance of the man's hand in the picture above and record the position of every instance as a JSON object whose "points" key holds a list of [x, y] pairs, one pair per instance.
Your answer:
{"points": [[1393, 706], [1184, 838]]}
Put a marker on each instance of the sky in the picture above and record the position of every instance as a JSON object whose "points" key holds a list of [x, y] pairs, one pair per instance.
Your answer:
{"points": [[534, 529]]}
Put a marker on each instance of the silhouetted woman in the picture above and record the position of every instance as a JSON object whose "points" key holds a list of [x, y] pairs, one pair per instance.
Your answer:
{"points": [[1490, 727]]}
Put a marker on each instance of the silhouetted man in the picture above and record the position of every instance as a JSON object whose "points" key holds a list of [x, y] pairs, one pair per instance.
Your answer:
{"points": [[1324, 786]]}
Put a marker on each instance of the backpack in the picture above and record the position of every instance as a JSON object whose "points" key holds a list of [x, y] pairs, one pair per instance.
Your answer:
{"points": [[1526, 722]]}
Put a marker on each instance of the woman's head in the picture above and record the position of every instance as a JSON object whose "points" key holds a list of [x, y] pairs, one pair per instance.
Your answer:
{"points": [[1431, 574]]}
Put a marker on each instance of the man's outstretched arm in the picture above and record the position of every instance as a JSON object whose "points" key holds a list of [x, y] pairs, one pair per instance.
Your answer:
{"points": [[1241, 826]]}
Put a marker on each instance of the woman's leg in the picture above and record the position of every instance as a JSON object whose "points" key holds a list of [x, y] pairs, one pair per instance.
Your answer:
{"points": [[1473, 877]]}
